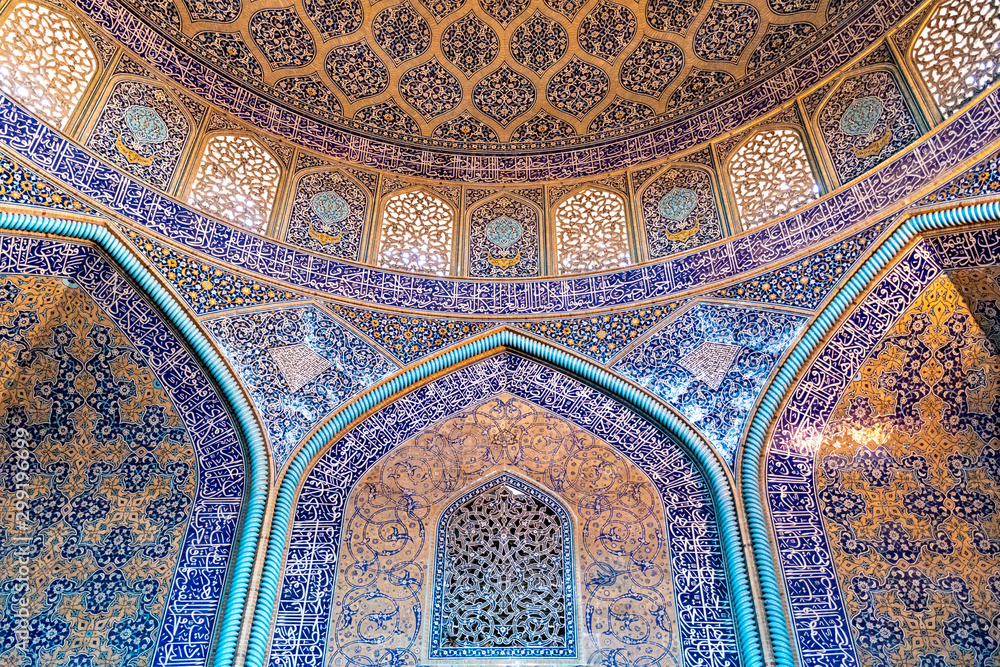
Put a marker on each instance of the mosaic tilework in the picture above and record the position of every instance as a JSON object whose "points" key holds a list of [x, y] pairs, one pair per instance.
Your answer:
{"points": [[406, 338], [335, 18], [120, 139], [504, 239], [309, 92], [282, 37], [726, 32], [721, 413], [206, 288], [670, 228], [465, 127], [833, 49], [357, 71], [697, 84], [504, 95], [111, 562], [980, 181], [602, 337], [651, 67], [621, 113], [401, 32], [230, 51], [288, 415], [907, 476], [442, 8], [504, 11], [606, 30], [470, 44], [328, 214], [430, 89], [669, 16], [387, 116], [859, 137], [26, 188], [542, 127], [577, 88], [811, 580], [807, 282], [136, 386], [968, 134], [539, 42], [777, 42], [704, 625]]}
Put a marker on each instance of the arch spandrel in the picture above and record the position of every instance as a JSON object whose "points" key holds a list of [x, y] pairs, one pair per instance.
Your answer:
{"points": [[648, 573]]}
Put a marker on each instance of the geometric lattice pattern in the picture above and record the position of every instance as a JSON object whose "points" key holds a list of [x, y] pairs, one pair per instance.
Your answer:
{"points": [[45, 62], [770, 175], [590, 232], [958, 51], [416, 234], [236, 181]]}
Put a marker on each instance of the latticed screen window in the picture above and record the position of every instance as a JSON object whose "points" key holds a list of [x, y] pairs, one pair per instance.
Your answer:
{"points": [[503, 577], [958, 51], [771, 176], [237, 181], [416, 234], [45, 63], [590, 232]]}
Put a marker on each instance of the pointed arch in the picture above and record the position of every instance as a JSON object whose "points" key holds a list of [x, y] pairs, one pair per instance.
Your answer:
{"points": [[631, 398], [505, 238], [591, 224], [416, 232]]}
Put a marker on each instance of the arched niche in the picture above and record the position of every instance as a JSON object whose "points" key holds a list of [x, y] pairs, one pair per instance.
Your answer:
{"points": [[505, 415]]}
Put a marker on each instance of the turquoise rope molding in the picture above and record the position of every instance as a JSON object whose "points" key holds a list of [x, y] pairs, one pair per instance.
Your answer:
{"points": [[750, 480], [234, 600], [748, 634]]}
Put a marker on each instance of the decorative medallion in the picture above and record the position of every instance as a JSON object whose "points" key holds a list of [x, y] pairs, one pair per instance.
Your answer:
{"points": [[504, 95], [465, 128], [678, 204], [699, 85], [146, 125], [726, 32], [504, 11], [778, 43], [389, 117], [335, 18], [710, 362], [357, 71], [606, 30], [538, 43], [430, 89], [401, 32], [331, 207], [503, 232], [577, 88], [298, 364], [861, 116], [470, 44], [671, 16], [651, 67], [310, 92], [282, 38]]}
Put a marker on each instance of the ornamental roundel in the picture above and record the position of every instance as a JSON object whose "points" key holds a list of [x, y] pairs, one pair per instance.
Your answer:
{"points": [[539, 43], [861, 116], [430, 89], [146, 125], [677, 204], [577, 88], [606, 30], [470, 44], [330, 207], [401, 32], [504, 231], [504, 95]]}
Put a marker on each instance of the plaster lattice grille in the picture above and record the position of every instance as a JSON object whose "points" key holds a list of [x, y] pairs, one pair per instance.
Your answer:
{"points": [[710, 362], [237, 181], [416, 234], [771, 177], [299, 364], [45, 62], [958, 51], [590, 232]]}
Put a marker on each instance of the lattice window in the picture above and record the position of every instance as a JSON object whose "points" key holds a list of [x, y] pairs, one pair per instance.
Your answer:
{"points": [[236, 180], [504, 568], [771, 176], [45, 62], [958, 51], [590, 232], [416, 234]]}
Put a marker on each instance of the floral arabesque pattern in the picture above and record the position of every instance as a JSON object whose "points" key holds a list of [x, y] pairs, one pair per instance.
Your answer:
{"points": [[282, 37], [504, 95], [357, 71], [519, 258], [151, 161], [466, 128], [665, 234], [893, 130], [504, 11], [590, 232], [416, 234], [401, 32], [335, 18], [651, 66], [606, 30], [778, 41], [539, 43], [726, 32], [310, 226], [430, 89], [310, 93], [698, 84], [907, 472], [958, 51], [771, 176], [106, 464], [622, 551], [577, 88], [620, 113], [387, 116], [542, 127], [45, 62], [231, 52], [236, 180], [470, 44], [288, 413], [670, 16]]}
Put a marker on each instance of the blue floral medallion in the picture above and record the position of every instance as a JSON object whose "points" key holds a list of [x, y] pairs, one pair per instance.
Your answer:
{"points": [[503, 232], [861, 116], [330, 207], [678, 203], [146, 125]]}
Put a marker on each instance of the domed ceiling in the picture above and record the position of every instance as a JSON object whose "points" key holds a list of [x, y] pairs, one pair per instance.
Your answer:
{"points": [[500, 76]]}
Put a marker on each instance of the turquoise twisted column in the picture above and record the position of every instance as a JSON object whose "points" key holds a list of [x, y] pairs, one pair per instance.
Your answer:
{"points": [[238, 585], [722, 495], [751, 482]]}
